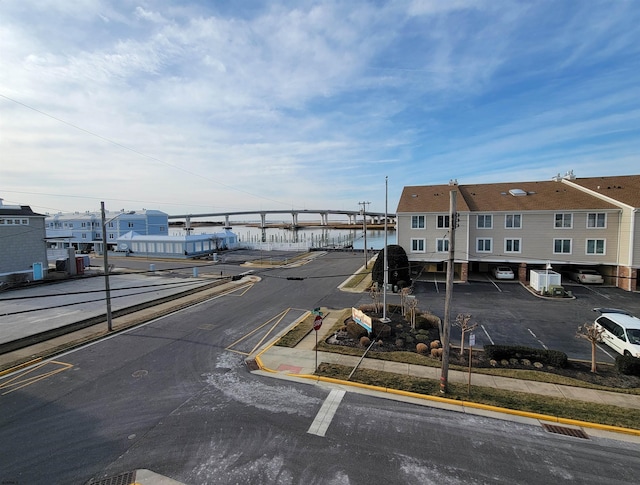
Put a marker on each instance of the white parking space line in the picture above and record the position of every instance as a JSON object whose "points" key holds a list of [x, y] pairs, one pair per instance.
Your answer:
{"points": [[494, 284], [597, 292], [327, 411], [539, 341], [600, 347], [487, 334]]}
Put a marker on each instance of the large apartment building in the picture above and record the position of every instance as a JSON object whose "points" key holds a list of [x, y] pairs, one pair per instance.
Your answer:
{"points": [[566, 222]]}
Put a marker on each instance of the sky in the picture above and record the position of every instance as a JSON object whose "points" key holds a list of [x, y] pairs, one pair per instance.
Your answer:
{"points": [[193, 107]]}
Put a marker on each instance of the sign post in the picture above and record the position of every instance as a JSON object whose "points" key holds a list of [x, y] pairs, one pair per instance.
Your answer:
{"points": [[317, 323], [472, 342]]}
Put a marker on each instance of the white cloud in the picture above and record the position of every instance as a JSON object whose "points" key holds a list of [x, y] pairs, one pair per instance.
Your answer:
{"points": [[238, 105]]}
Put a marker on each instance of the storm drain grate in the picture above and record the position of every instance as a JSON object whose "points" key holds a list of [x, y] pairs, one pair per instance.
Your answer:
{"points": [[252, 365], [123, 479], [576, 433]]}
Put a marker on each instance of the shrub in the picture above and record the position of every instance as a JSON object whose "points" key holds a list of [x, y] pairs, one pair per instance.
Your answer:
{"points": [[355, 331], [505, 352], [398, 264], [422, 337], [625, 364], [427, 321], [381, 330], [365, 341], [422, 348]]}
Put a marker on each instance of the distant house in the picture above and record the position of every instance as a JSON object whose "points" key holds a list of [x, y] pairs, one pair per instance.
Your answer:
{"points": [[83, 231], [179, 247], [24, 251]]}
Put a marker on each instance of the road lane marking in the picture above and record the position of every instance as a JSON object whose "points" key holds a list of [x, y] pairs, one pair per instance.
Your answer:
{"points": [[487, 334], [278, 319], [327, 412], [32, 375]]}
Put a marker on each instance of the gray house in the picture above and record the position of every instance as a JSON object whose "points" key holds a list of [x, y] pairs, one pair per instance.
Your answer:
{"points": [[23, 253]]}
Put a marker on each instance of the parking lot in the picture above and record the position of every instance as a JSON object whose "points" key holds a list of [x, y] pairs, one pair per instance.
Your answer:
{"points": [[507, 313]]}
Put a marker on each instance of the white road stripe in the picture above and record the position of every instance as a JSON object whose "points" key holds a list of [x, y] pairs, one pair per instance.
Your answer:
{"points": [[487, 334], [326, 413]]}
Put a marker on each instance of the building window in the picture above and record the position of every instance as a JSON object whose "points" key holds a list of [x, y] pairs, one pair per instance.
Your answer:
{"points": [[484, 245], [512, 245], [485, 221], [83, 224], [513, 221], [563, 221], [130, 224], [562, 246], [417, 222], [442, 245], [162, 229], [596, 220], [595, 246], [84, 235], [111, 236], [417, 245], [110, 224], [443, 222]]}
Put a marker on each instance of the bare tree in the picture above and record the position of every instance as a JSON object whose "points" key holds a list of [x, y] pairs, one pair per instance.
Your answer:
{"points": [[412, 305], [374, 292], [463, 320], [404, 293], [593, 334]]}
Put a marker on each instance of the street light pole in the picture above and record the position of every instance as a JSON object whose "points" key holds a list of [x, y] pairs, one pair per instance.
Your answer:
{"points": [[385, 278]]}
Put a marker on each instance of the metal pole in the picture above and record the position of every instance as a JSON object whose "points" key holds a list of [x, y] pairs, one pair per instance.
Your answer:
{"points": [[364, 229], [446, 327], [105, 261], [386, 261]]}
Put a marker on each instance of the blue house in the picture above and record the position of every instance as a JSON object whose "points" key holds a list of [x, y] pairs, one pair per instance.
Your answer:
{"points": [[83, 231]]}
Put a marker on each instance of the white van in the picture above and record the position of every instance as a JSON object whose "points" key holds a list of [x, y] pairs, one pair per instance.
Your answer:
{"points": [[621, 330]]}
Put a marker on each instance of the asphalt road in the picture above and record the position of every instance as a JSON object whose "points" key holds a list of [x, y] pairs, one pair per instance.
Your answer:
{"points": [[174, 396]]}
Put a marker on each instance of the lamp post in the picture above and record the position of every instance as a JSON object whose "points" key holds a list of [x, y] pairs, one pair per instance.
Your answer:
{"points": [[386, 260]]}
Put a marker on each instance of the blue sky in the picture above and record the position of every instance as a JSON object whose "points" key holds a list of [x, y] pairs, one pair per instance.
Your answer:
{"points": [[192, 107]]}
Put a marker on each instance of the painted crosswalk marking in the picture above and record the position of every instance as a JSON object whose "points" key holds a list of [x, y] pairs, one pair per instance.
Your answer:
{"points": [[327, 411]]}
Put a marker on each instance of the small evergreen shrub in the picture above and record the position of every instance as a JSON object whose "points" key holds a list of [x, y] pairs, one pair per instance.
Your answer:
{"points": [[505, 352], [625, 364]]}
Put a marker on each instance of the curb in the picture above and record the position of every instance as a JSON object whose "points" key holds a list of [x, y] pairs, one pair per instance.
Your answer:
{"points": [[461, 405]]}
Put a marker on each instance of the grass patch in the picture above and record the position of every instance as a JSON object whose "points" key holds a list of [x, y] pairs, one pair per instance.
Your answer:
{"points": [[552, 406], [295, 335], [357, 278]]}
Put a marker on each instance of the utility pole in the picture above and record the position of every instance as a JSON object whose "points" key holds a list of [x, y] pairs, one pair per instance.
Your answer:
{"points": [[446, 327], [105, 261], [364, 229]]}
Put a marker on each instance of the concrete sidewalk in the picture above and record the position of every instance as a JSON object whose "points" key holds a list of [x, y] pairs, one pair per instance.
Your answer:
{"points": [[299, 363]]}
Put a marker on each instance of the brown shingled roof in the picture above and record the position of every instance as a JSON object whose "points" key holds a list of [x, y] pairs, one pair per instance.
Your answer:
{"points": [[429, 198], [624, 188], [547, 195], [540, 196]]}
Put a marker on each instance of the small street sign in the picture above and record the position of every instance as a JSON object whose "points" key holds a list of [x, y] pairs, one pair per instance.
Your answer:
{"points": [[317, 323], [472, 339]]}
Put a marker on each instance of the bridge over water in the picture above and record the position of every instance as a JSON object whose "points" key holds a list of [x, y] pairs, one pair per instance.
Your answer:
{"points": [[372, 217]]}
